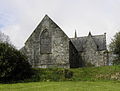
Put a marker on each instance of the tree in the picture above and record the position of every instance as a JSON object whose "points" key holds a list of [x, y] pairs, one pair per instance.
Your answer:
{"points": [[115, 48], [4, 38], [14, 66]]}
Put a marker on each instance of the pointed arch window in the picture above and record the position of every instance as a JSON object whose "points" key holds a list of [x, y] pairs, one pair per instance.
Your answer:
{"points": [[45, 42]]}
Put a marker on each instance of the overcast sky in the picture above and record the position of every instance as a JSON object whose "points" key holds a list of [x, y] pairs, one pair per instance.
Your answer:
{"points": [[18, 18]]}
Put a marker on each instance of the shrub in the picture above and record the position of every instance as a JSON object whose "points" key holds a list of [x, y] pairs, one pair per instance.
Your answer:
{"points": [[14, 66], [68, 74]]}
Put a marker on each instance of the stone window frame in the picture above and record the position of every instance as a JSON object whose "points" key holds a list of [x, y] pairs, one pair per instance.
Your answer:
{"points": [[46, 45]]}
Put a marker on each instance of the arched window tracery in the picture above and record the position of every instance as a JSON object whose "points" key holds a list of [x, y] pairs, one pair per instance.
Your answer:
{"points": [[45, 42]]}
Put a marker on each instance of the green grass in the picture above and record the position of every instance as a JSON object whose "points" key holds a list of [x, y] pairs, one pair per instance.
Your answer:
{"points": [[105, 78], [62, 86], [104, 73]]}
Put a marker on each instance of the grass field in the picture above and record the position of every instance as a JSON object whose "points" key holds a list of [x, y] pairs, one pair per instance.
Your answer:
{"points": [[62, 86], [105, 78]]}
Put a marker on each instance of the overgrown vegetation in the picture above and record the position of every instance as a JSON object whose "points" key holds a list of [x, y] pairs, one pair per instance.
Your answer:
{"points": [[14, 66], [52, 74], [105, 73]]}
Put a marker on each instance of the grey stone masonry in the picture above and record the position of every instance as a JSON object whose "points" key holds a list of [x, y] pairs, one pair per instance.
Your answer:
{"points": [[92, 49], [48, 46]]}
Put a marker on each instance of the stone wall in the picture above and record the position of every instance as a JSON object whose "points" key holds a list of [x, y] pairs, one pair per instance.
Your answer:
{"points": [[94, 58], [60, 48], [91, 55], [48, 46]]}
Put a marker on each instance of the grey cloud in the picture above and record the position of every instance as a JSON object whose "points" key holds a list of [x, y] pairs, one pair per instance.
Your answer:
{"points": [[97, 16]]}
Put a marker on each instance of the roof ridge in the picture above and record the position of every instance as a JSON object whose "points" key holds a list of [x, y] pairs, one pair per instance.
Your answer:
{"points": [[87, 36]]}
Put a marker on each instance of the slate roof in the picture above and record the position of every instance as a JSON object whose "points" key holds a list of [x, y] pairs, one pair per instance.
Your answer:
{"points": [[100, 41]]}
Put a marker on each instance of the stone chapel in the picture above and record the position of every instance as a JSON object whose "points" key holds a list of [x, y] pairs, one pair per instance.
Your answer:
{"points": [[48, 46]]}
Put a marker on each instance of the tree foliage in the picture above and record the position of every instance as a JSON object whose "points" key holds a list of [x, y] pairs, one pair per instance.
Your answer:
{"points": [[4, 38], [115, 48], [14, 66]]}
